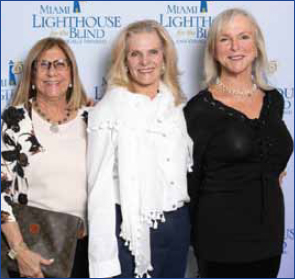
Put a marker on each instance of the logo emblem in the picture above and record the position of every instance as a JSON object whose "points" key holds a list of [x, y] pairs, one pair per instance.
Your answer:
{"points": [[272, 66], [204, 7], [14, 69], [34, 228], [77, 7]]}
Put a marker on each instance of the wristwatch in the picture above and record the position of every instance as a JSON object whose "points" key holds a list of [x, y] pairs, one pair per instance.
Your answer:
{"points": [[12, 253]]}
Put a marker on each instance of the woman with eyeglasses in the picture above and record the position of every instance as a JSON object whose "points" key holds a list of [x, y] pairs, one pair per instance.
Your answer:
{"points": [[45, 128]]}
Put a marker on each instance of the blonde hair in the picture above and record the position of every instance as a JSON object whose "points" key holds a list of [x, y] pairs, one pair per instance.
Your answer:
{"points": [[117, 74], [76, 96], [212, 67]]}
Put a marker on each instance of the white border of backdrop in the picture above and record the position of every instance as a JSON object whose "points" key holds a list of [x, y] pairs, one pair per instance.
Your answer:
{"points": [[92, 28]]}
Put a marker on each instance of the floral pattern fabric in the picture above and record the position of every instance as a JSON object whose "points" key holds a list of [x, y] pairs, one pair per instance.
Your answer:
{"points": [[18, 144]]}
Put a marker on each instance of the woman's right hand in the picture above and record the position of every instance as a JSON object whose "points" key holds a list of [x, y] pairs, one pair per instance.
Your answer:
{"points": [[281, 177], [29, 263], [4, 217]]}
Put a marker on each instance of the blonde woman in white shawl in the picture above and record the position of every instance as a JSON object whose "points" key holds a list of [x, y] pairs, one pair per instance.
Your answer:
{"points": [[139, 153]]}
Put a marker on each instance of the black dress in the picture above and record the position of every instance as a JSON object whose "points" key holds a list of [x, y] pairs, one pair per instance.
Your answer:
{"points": [[237, 203]]}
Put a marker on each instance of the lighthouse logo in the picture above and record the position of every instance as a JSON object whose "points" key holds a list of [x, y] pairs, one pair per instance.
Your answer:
{"points": [[15, 68], [77, 7], [204, 7]]}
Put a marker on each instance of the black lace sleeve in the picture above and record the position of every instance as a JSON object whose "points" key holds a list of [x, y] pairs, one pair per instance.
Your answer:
{"points": [[194, 114]]}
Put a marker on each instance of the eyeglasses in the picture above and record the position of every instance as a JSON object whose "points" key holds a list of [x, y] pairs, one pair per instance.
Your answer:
{"points": [[60, 65]]}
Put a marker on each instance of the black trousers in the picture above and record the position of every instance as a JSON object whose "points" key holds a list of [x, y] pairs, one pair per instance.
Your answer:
{"points": [[169, 246], [81, 264], [267, 268], [80, 267]]}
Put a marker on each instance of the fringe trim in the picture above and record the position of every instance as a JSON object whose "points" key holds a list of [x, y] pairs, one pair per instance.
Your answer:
{"points": [[152, 219]]}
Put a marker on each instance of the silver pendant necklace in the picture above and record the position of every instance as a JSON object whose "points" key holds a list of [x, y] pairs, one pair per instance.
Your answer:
{"points": [[54, 126]]}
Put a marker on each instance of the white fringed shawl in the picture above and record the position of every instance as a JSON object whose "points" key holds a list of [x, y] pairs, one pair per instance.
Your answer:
{"points": [[141, 182]]}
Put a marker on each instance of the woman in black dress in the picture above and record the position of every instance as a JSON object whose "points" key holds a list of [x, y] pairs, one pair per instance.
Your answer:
{"points": [[242, 145]]}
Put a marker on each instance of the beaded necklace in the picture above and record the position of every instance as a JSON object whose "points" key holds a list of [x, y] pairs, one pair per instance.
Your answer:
{"points": [[54, 125], [236, 92]]}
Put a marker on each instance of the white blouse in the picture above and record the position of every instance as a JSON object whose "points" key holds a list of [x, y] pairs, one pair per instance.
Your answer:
{"points": [[138, 156], [57, 176]]}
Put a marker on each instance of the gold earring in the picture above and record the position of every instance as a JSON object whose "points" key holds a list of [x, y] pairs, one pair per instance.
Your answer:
{"points": [[126, 69], [163, 69]]}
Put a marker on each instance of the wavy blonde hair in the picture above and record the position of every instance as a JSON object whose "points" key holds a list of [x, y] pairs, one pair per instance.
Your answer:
{"points": [[117, 74], [212, 67], [76, 96]]}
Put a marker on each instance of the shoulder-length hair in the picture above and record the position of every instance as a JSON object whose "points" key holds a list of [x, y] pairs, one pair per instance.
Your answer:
{"points": [[118, 74], [212, 67], [76, 96]]}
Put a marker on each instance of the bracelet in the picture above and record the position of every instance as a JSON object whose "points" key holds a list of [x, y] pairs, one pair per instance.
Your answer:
{"points": [[13, 252]]}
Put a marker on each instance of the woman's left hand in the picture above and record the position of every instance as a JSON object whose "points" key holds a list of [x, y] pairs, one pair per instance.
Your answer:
{"points": [[90, 102]]}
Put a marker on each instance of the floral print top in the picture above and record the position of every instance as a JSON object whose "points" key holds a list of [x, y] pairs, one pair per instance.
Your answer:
{"points": [[18, 144]]}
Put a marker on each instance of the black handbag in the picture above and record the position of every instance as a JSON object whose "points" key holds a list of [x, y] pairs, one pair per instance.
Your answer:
{"points": [[51, 234]]}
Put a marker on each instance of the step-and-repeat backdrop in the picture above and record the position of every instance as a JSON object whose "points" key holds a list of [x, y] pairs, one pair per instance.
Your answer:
{"points": [[91, 26]]}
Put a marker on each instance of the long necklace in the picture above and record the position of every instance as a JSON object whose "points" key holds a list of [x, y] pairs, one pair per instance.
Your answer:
{"points": [[237, 92], [54, 125]]}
